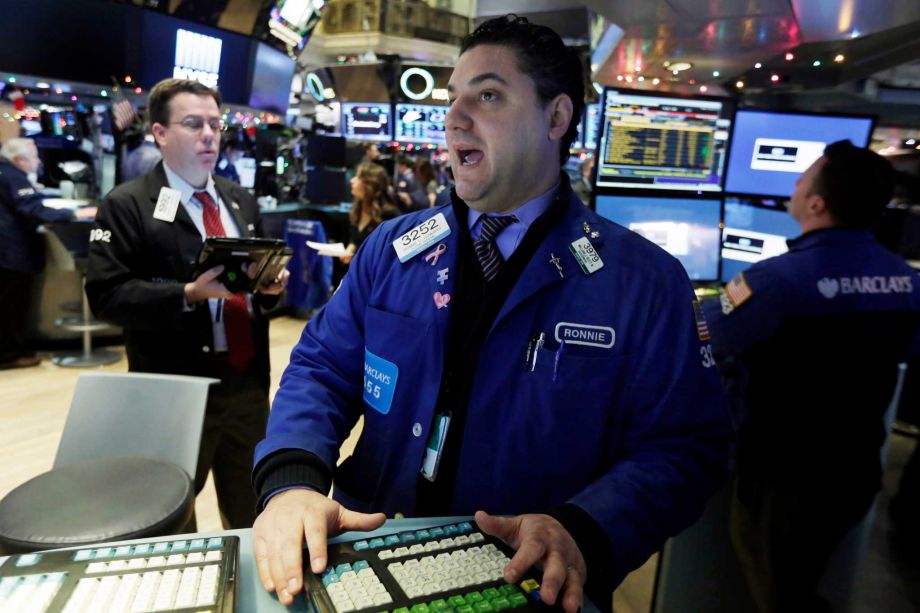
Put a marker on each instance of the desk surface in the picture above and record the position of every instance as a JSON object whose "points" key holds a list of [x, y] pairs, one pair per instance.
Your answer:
{"points": [[252, 598]]}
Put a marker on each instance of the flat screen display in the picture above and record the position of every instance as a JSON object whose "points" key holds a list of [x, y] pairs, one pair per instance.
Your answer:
{"points": [[753, 233], [367, 121], [650, 141], [686, 228], [770, 150], [272, 74], [420, 123], [246, 169], [592, 112]]}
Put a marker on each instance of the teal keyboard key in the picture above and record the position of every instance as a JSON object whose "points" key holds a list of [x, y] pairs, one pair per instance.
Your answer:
{"points": [[465, 527], [423, 535], [342, 568], [7, 584], [330, 579], [124, 550], [407, 537], [103, 553], [215, 542], [437, 532], [28, 559], [179, 547], [376, 543], [196, 545], [360, 545], [451, 530], [391, 540], [360, 565], [82, 555], [160, 548], [142, 549]]}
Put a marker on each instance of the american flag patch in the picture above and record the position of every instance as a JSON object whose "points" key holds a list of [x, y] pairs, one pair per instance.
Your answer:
{"points": [[737, 290], [702, 330]]}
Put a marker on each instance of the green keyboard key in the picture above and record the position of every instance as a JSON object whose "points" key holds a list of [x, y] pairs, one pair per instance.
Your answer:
{"points": [[456, 601], [464, 609], [517, 600], [439, 605], [401, 610], [420, 608], [490, 593], [508, 588], [483, 606], [473, 597], [501, 603]]}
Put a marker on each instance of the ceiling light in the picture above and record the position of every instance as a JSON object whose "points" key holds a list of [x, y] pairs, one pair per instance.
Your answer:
{"points": [[629, 79], [774, 78], [619, 77], [789, 56], [704, 89], [816, 63], [680, 66], [758, 65], [839, 58], [42, 85], [910, 141], [641, 78], [716, 73], [666, 64], [739, 84], [656, 81], [854, 33]]}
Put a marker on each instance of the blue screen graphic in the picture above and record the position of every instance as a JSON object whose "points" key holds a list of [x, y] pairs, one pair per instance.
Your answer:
{"points": [[770, 150], [753, 233], [591, 125], [366, 121], [420, 123], [686, 228]]}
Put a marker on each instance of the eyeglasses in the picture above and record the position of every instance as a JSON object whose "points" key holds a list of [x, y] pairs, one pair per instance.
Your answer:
{"points": [[196, 124]]}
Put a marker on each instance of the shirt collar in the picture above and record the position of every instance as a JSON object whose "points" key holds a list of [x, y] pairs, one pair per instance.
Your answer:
{"points": [[827, 236], [185, 189], [527, 213]]}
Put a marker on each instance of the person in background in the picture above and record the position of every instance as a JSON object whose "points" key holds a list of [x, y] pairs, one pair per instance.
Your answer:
{"points": [[22, 249], [582, 186], [141, 151], [229, 154], [809, 343], [141, 276], [370, 188], [411, 196], [424, 174], [510, 352]]}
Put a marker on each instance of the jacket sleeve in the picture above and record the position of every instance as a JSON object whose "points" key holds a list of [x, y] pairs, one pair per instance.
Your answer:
{"points": [[319, 400], [27, 203], [673, 451], [116, 287]]}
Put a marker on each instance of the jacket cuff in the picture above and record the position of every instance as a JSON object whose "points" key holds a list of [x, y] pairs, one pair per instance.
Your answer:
{"points": [[595, 548], [286, 468]]}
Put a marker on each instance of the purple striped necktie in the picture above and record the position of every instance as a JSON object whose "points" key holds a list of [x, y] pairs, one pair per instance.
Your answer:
{"points": [[490, 258]]}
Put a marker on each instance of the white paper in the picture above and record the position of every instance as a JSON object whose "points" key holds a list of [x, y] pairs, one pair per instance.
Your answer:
{"points": [[62, 203], [336, 250]]}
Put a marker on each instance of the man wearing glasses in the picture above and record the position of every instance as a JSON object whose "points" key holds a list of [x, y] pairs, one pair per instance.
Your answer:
{"points": [[147, 235]]}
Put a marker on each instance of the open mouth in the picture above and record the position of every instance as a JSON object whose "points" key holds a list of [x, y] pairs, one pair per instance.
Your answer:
{"points": [[470, 157]]}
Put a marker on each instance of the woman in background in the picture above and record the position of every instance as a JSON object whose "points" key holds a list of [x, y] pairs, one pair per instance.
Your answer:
{"points": [[370, 188], [424, 174]]}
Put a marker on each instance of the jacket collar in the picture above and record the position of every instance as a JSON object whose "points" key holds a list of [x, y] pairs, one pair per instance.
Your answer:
{"points": [[828, 236]]}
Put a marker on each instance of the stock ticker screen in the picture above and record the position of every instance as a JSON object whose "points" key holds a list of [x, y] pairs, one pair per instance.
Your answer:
{"points": [[650, 141], [366, 121], [420, 123]]}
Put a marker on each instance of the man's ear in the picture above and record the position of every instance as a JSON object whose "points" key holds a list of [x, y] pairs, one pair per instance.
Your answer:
{"points": [[159, 133], [817, 205], [560, 115]]}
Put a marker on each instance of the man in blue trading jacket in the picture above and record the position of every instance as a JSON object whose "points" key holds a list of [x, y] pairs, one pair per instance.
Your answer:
{"points": [[809, 344], [22, 251], [554, 373]]}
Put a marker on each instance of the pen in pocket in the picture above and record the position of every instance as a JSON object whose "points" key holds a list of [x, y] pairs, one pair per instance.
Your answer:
{"points": [[536, 351]]}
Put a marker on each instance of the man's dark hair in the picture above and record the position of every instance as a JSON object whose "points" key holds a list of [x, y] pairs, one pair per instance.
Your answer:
{"points": [[541, 54], [857, 184], [165, 90]]}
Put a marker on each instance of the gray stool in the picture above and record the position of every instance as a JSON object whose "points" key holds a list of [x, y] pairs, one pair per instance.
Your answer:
{"points": [[94, 501]]}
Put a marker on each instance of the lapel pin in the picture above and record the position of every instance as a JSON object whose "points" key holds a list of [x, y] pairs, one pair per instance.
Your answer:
{"points": [[441, 300], [434, 255], [442, 275], [555, 261]]}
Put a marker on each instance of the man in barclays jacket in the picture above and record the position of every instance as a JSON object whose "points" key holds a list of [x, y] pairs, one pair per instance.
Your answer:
{"points": [[509, 351], [22, 250], [809, 344], [148, 233]]}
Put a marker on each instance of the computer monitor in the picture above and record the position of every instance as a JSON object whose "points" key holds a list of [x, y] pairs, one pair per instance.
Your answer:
{"points": [[753, 231], [246, 169], [420, 123], [686, 228], [367, 121], [653, 141], [592, 116], [771, 149]]}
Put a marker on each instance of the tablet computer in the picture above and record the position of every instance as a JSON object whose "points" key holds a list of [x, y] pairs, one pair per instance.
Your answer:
{"points": [[263, 258]]}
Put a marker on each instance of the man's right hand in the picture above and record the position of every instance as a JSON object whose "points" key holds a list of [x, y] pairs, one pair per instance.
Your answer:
{"points": [[206, 286], [279, 531]]}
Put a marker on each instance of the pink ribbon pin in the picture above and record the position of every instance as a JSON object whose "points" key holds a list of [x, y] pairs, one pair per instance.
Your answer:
{"points": [[441, 300], [434, 255]]}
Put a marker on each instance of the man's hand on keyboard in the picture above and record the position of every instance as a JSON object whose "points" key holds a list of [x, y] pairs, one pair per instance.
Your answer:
{"points": [[278, 535], [540, 539]]}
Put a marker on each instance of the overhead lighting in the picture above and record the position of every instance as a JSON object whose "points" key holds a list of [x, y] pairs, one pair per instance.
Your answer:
{"points": [[656, 81], [854, 33], [666, 63], [911, 142], [816, 63], [641, 78], [619, 77], [692, 81], [128, 78], [638, 67], [775, 78], [789, 56], [704, 89], [716, 73], [838, 59], [758, 65], [675, 73], [680, 66], [739, 84], [629, 79], [42, 85]]}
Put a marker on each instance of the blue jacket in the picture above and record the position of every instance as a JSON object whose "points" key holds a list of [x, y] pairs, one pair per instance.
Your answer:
{"points": [[21, 212], [631, 427], [809, 343]]}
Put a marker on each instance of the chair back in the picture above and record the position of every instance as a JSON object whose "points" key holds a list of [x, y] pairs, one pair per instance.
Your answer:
{"points": [[135, 414]]}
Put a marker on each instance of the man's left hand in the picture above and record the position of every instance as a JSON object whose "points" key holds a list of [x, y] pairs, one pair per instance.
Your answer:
{"points": [[278, 286], [541, 539]]}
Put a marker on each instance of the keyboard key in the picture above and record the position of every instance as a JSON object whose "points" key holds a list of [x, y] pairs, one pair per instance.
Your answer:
{"points": [[124, 550], [212, 556], [142, 549], [360, 545], [360, 565], [517, 600], [215, 542], [501, 603], [179, 547], [159, 548], [342, 568], [82, 555], [376, 543], [197, 545], [382, 599], [391, 540], [451, 530], [483, 606], [465, 527], [529, 585], [28, 559]]}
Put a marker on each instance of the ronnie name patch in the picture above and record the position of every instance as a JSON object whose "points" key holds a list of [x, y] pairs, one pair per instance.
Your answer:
{"points": [[583, 334]]}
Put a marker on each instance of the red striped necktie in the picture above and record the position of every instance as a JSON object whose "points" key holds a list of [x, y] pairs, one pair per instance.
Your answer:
{"points": [[237, 324]]}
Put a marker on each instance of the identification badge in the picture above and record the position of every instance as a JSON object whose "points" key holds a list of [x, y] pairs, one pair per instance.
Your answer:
{"points": [[434, 449], [167, 204], [421, 237], [587, 257], [379, 382]]}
